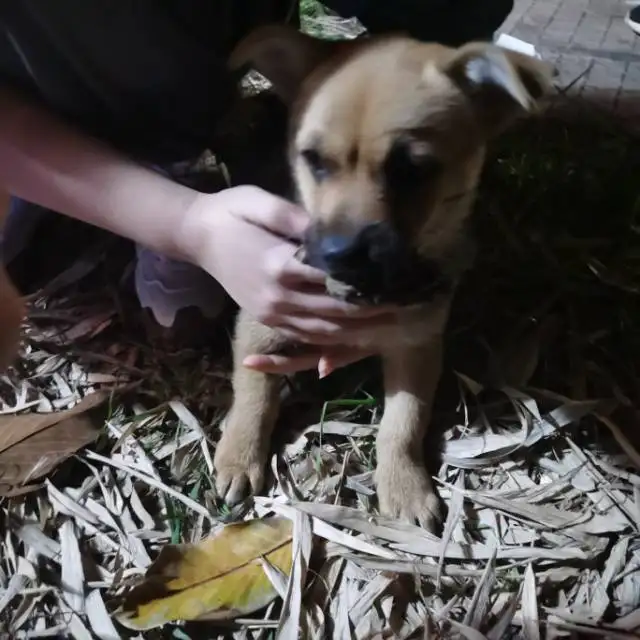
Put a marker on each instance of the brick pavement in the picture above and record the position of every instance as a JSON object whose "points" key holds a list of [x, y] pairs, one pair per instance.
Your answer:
{"points": [[586, 37]]}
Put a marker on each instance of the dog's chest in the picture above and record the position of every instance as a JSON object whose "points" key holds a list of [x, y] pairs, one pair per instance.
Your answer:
{"points": [[414, 326]]}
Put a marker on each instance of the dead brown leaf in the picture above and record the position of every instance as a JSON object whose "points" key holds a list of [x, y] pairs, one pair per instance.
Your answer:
{"points": [[32, 445]]}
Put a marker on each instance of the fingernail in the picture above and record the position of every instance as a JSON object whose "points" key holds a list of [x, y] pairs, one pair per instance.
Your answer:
{"points": [[324, 368], [252, 361]]}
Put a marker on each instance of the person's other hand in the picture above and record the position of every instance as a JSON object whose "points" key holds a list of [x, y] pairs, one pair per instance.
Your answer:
{"points": [[324, 359], [246, 238]]}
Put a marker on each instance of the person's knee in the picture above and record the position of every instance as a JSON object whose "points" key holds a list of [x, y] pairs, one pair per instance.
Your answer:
{"points": [[12, 312], [12, 309]]}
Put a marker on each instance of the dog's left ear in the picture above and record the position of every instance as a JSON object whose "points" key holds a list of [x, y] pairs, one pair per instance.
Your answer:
{"points": [[500, 83], [283, 55]]}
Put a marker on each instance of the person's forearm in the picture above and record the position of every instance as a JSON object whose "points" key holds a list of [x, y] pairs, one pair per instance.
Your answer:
{"points": [[44, 161]]}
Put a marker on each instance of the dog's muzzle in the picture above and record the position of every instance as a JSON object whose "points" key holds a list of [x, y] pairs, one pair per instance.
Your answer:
{"points": [[374, 266]]}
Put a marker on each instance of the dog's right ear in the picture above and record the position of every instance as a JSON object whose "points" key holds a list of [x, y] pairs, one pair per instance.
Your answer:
{"points": [[283, 55], [500, 83]]}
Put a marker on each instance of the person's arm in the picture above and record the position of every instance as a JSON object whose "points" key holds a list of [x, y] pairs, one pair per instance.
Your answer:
{"points": [[44, 161], [243, 236]]}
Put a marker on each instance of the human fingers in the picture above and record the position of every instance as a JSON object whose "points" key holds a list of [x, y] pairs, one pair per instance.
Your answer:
{"points": [[325, 361], [333, 359], [305, 289], [301, 298], [283, 364], [295, 271], [317, 330], [321, 304], [264, 209]]}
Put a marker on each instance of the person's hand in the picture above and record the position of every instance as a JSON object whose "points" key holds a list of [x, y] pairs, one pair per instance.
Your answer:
{"points": [[324, 359], [246, 239]]}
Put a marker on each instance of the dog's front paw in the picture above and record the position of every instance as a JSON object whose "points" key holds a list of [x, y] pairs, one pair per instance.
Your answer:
{"points": [[239, 463], [405, 490]]}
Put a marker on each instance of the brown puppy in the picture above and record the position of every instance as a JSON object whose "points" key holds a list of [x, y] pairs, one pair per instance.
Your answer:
{"points": [[11, 307], [387, 142]]}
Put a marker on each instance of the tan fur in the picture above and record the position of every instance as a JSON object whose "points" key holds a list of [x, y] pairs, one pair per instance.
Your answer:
{"points": [[352, 101], [11, 307]]}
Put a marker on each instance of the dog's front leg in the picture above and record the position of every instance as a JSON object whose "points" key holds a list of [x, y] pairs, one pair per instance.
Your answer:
{"points": [[404, 485], [243, 450]]}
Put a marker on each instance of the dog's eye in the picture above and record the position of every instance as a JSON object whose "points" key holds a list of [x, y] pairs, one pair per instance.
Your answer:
{"points": [[410, 166], [319, 167]]}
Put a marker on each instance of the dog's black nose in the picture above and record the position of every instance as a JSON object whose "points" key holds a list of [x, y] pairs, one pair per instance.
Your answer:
{"points": [[374, 261], [348, 252], [337, 251], [360, 257]]}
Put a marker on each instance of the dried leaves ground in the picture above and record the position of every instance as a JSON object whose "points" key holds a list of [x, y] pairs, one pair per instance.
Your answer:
{"points": [[539, 464]]}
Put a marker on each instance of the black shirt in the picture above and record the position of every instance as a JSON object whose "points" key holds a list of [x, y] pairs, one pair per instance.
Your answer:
{"points": [[150, 75], [147, 75]]}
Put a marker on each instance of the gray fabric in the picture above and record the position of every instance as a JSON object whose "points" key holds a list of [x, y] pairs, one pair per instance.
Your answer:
{"points": [[166, 286], [163, 286]]}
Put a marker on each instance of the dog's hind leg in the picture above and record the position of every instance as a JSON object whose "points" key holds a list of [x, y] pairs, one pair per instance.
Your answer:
{"points": [[243, 450], [405, 489]]}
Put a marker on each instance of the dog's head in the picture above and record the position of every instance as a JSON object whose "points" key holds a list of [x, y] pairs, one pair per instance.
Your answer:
{"points": [[386, 144]]}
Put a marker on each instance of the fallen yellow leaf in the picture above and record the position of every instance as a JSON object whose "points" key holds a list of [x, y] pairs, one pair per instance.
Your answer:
{"points": [[220, 578]]}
